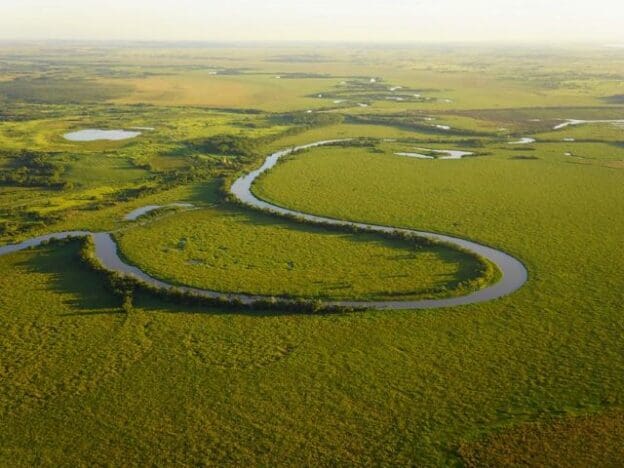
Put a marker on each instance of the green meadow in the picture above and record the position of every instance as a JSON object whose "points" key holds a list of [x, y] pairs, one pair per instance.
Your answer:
{"points": [[534, 378], [230, 250]]}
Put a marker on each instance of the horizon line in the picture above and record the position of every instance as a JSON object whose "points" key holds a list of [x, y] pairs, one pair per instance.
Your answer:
{"points": [[454, 42]]}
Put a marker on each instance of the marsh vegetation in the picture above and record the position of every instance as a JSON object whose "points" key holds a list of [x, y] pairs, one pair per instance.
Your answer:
{"points": [[92, 374]]}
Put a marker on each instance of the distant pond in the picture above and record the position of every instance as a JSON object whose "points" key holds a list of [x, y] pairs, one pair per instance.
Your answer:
{"points": [[94, 134]]}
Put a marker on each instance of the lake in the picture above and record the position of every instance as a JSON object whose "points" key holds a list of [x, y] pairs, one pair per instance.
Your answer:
{"points": [[94, 134]]}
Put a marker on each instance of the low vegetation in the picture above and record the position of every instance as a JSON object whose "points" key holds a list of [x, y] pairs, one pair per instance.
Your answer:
{"points": [[127, 288], [96, 369], [592, 440], [29, 169], [48, 90], [232, 250]]}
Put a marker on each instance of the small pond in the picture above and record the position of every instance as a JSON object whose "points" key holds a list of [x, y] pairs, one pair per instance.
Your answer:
{"points": [[94, 134]]}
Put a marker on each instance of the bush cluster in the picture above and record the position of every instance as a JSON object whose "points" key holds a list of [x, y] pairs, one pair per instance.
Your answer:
{"points": [[32, 169]]}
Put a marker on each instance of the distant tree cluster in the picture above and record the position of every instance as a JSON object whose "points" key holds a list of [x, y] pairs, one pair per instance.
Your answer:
{"points": [[52, 90], [31, 169], [410, 122], [309, 119], [19, 220], [230, 145], [615, 99]]}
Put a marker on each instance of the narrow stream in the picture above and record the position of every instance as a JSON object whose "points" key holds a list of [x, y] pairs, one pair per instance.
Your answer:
{"points": [[514, 274]]}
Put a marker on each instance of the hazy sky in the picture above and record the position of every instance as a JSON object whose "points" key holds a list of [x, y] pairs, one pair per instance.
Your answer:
{"points": [[330, 20]]}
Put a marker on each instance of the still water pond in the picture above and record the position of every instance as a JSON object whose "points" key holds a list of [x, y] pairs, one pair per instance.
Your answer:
{"points": [[94, 134]]}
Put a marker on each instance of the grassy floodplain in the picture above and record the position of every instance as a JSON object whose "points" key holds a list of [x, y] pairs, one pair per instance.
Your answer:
{"points": [[230, 250], [84, 381], [503, 200]]}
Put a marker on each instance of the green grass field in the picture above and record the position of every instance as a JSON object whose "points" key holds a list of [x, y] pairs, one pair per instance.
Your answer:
{"points": [[553, 443], [535, 378], [230, 250]]}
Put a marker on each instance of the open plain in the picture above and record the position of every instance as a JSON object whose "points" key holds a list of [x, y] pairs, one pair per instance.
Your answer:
{"points": [[519, 150]]}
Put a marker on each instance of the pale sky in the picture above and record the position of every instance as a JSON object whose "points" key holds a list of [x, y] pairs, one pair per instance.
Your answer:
{"points": [[327, 20]]}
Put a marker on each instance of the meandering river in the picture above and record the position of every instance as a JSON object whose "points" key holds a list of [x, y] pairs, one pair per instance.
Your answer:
{"points": [[514, 274]]}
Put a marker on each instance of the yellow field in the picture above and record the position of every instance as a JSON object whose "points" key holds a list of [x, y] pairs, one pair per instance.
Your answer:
{"points": [[202, 89]]}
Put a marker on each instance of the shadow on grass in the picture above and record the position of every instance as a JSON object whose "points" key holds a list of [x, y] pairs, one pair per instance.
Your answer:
{"points": [[70, 276], [90, 295], [204, 193]]}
